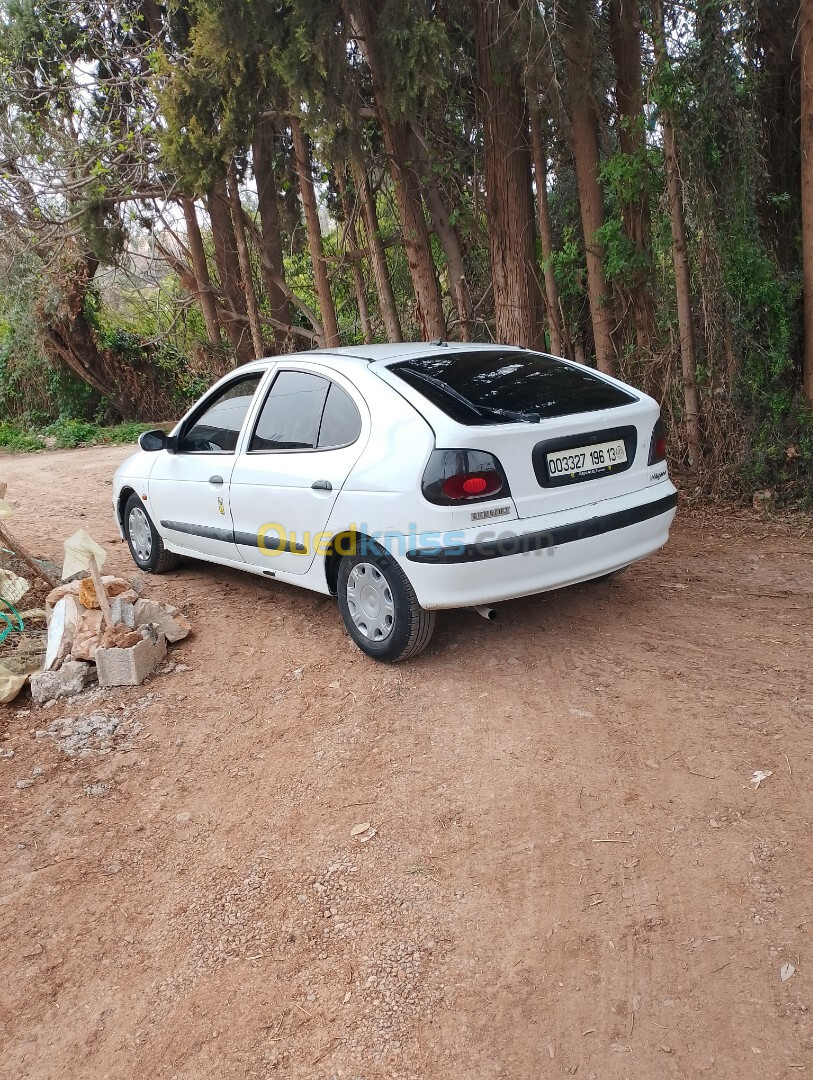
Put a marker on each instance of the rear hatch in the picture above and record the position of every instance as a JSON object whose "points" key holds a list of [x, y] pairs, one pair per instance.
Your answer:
{"points": [[565, 436]]}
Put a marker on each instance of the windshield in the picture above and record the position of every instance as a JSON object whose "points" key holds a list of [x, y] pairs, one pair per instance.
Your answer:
{"points": [[503, 387]]}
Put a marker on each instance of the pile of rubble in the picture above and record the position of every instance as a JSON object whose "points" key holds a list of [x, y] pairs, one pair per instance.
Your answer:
{"points": [[93, 628], [85, 645]]}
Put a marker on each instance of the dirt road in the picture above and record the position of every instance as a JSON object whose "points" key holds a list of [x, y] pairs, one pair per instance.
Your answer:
{"points": [[571, 872]]}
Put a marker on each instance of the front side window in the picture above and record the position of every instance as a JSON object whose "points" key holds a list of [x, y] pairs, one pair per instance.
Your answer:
{"points": [[305, 412], [217, 428]]}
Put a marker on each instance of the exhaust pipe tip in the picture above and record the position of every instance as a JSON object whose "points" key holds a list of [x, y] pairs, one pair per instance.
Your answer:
{"points": [[487, 612]]}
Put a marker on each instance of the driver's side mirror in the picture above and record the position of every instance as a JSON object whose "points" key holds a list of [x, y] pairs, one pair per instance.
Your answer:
{"points": [[157, 440]]}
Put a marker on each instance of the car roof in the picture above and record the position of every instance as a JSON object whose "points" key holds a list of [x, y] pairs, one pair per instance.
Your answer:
{"points": [[384, 355]]}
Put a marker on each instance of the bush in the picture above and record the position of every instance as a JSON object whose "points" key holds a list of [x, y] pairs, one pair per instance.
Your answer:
{"points": [[70, 433], [13, 437]]}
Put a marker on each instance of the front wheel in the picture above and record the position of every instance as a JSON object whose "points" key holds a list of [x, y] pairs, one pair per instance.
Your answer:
{"points": [[379, 607], [146, 546]]}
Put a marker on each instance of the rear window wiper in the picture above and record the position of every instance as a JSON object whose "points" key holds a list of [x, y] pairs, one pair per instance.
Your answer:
{"points": [[528, 417], [481, 411], [445, 389]]}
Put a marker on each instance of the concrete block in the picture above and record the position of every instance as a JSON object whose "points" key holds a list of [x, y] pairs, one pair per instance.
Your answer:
{"points": [[70, 679], [166, 618], [129, 667], [122, 612]]}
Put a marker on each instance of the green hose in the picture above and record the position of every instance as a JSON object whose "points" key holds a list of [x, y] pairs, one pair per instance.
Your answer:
{"points": [[8, 620]]}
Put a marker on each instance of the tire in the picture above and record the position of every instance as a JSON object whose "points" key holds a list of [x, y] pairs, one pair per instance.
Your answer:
{"points": [[379, 607], [146, 546]]}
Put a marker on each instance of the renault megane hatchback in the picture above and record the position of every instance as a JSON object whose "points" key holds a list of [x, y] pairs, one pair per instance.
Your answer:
{"points": [[405, 479]]}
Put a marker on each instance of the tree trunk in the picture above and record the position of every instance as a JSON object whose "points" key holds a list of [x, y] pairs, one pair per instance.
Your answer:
{"points": [[586, 157], [349, 212], [625, 45], [314, 230], [680, 257], [806, 50], [244, 259], [446, 234], [509, 198], [585, 147], [205, 294], [67, 337], [263, 163], [552, 303], [375, 246], [405, 182], [228, 268]]}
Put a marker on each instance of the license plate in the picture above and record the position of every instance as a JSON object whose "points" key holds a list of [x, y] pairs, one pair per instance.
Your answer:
{"points": [[587, 460]]}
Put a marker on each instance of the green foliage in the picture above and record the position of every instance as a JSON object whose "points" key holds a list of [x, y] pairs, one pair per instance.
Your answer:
{"points": [[66, 434], [568, 266], [415, 49], [15, 438], [780, 456], [71, 433]]}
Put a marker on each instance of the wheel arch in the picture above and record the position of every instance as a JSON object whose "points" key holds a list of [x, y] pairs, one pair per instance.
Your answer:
{"points": [[343, 543], [124, 495]]}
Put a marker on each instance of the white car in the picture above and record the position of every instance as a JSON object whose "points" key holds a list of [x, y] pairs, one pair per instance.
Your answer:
{"points": [[404, 479]]}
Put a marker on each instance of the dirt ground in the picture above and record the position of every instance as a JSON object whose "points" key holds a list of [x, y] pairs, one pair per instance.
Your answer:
{"points": [[571, 872]]}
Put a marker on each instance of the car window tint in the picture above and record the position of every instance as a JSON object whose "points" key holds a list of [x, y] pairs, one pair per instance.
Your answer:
{"points": [[493, 387], [292, 412], [341, 422], [218, 426]]}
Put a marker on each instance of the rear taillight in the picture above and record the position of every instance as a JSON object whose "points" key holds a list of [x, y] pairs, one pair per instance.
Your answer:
{"points": [[657, 444], [463, 476]]}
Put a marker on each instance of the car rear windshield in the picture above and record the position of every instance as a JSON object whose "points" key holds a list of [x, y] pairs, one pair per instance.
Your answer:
{"points": [[501, 387]]}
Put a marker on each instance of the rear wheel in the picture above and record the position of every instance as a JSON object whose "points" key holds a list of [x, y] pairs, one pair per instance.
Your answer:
{"points": [[379, 607], [146, 546]]}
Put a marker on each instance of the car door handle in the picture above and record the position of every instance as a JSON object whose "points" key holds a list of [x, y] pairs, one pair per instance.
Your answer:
{"points": [[215, 479], [322, 485]]}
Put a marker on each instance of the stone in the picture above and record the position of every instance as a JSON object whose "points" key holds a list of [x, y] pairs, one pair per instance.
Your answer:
{"points": [[90, 620], [61, 630], [23, 784], [69, 680], [55, 595], [166, 618], [130, 666], [121, 637], [87, 593], [113, 586], [86, 639], [85, 644]]}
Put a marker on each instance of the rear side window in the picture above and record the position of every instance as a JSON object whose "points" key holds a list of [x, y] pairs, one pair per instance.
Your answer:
{"points": [[341, 422], [305, 412], [502, 387], [292, 412]]}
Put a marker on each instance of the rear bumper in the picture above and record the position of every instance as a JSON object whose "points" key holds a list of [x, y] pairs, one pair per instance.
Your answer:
{"points": [[485, 566]]}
